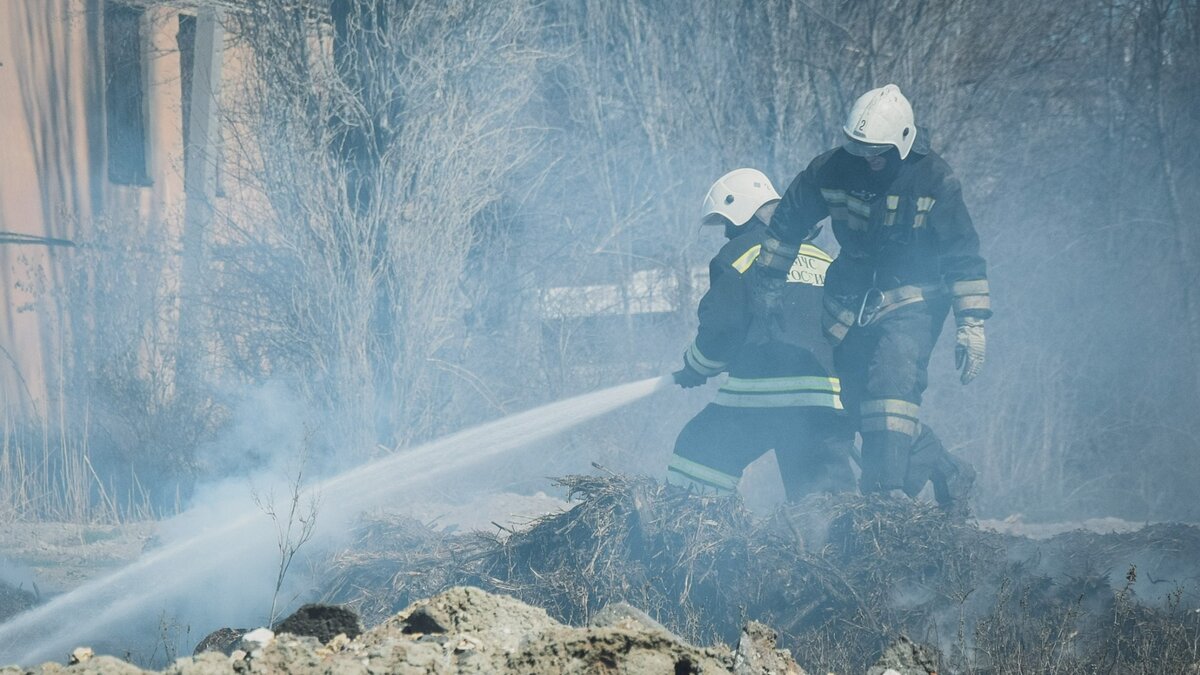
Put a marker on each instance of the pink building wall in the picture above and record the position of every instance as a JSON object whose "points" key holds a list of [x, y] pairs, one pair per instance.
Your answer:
{"points": [[53, 178]]}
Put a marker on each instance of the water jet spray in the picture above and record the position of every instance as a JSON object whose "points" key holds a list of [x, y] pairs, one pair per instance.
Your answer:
{"points": [[197, 563]]}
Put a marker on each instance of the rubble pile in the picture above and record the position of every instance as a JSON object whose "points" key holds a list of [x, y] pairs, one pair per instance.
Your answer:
{"points": [[466, 630]]}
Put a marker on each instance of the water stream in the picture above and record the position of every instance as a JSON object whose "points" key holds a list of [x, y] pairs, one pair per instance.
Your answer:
{"points": [[198, 567]]}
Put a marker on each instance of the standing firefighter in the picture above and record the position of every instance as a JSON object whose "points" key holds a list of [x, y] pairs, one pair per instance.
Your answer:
{"points": [[765, 331], [909, 252]]}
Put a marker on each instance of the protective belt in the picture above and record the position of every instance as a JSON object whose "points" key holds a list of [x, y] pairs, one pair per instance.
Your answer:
{"points": [[781, 392], [876, 304]]}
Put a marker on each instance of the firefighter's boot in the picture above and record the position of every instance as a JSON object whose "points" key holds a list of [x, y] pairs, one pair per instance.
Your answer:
{"points": [[885, 461], [954, 487], [953, 478]]}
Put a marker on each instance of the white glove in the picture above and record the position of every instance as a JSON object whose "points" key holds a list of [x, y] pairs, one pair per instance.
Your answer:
{"points": [[971, 347]]}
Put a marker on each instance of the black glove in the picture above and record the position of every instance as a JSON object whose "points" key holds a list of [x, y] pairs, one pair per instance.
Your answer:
{"points": [[687, 378]]}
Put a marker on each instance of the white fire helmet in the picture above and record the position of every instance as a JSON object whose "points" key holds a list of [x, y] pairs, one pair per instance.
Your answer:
{"points": [[737, 195], [881, 119]]}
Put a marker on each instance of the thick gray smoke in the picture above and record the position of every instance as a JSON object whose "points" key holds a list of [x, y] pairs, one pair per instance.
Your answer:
{"points": [[215, 566]]}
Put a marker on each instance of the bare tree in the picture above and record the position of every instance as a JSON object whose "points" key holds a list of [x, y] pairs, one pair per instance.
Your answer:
{"points": [[374, 137]]}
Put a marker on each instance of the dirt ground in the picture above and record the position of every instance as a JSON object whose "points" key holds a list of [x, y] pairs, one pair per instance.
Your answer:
{"points": [[50, 558], [1017, 527], [60, 556]]}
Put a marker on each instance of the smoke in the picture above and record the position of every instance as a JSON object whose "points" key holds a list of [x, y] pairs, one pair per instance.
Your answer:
{"points": [[216, 566], [16, 575], [270, 429]]}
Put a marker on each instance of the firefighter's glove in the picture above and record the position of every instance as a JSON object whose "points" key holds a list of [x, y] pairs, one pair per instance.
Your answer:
{"points": [[687, 377], [970, 348]]}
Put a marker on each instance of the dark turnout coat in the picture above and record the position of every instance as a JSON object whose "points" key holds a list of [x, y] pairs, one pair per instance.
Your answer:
{"points": [[765, 331], [905, 227]]}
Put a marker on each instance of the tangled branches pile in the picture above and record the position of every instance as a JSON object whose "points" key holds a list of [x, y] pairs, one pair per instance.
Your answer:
{"points": [[839, 577]]}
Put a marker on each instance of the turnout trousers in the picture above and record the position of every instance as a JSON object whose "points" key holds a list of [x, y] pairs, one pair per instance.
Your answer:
{"points": [[717, 445], [884, 372]]}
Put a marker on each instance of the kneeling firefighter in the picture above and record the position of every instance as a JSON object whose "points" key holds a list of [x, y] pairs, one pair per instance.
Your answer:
{"points": [[766, 332]]}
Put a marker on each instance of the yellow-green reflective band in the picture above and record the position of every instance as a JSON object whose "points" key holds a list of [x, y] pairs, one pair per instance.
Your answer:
{"points": [[702, 476], [965, 302], [900, 425], [893, 203], [924, 204], [778, 392], [783, 384], [858, 207], [837, 331], [702, 364], [972, 287], [814, 252], [890, 406], [795, 399], [833, 196], [836, 326], [832, 321], [747, 259]]}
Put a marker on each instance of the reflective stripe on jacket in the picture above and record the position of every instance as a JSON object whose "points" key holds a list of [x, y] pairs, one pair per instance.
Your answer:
{"points": [[766, 331], [904, 225]]}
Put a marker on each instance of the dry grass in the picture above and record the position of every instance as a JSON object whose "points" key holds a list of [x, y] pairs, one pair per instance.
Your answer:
{"points": [[48, 475], [839, 577]]}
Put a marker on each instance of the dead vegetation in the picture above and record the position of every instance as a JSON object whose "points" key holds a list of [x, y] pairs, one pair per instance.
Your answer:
{"points": [[839, 577], [14, 600]]}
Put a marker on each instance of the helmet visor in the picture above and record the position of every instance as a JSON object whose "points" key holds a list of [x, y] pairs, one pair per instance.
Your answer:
{"points": [[860, 149]]}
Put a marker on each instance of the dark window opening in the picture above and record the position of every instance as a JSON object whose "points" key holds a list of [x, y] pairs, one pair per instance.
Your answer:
{"points": [[186, 40], [124, 105]]}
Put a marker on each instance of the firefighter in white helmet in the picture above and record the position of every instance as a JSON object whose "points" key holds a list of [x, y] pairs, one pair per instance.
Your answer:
{"points": [[909, 254], [765, 332]]}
